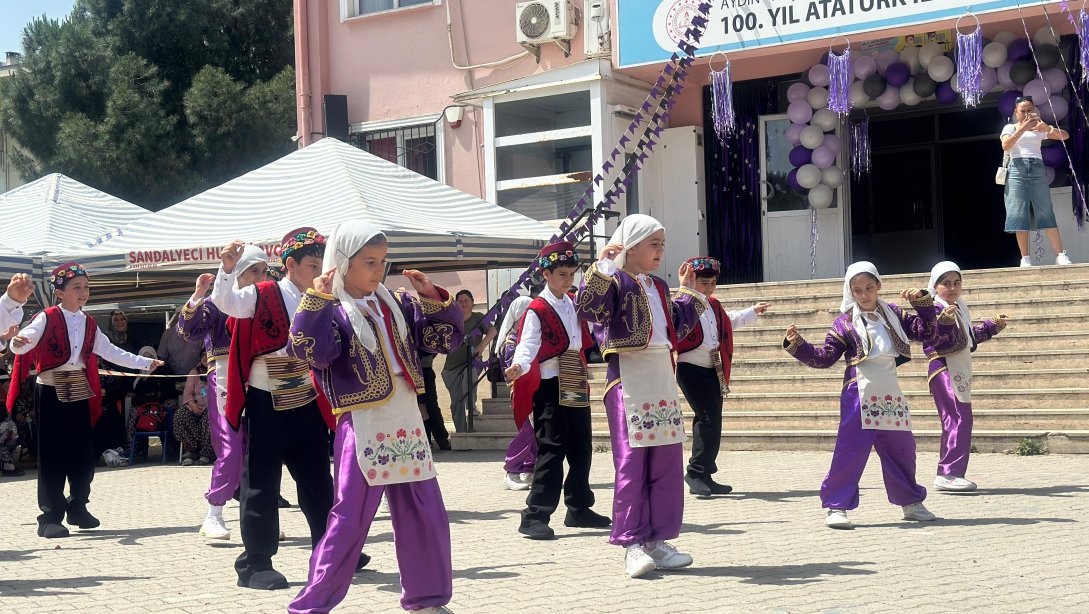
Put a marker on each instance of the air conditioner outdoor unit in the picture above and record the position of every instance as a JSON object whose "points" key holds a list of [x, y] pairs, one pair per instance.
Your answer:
{"points": [[545, 21]]}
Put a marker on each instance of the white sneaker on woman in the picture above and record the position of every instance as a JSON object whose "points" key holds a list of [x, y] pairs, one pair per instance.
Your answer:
{"points": [[512, 481], [953, 484], [1026, 262], [837, 519], [1062, 258], [214, 528], [916, 511], [666, 556], [637, 562]]}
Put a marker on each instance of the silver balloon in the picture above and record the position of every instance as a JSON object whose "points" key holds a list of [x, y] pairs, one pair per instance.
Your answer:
{"points": [[910, 56], [940, 68], [1005, 37], [812, 137], [832, 177], [994, 54], [825, 119], [820, 197], [817, 97], [809, 176], [1045, 36], [858, 95], [927, 54], [908, 95]]}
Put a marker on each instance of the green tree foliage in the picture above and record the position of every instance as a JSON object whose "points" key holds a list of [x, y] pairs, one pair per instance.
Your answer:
{"points": [[151, 100]]}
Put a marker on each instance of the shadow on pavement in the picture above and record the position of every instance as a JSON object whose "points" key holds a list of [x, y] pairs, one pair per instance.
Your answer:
{"points": [[1042, 491], [781, 575], [965, 522], [390, 581], [59, 586], [773, 497], [132, 537]]}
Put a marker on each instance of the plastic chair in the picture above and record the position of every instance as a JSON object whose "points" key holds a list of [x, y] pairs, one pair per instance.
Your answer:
{"points": [[163, 435]]}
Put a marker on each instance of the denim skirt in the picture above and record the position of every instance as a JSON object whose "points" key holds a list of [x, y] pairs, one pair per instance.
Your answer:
{"points": [[1028, 197]]}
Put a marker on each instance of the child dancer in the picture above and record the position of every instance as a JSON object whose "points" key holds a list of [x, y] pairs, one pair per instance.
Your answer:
{"points": [[63, 345], [950, 373], [363, 342], [522, 450], [704, 358], [549, 364], [639, 328], [874, 337], [200, 316]]}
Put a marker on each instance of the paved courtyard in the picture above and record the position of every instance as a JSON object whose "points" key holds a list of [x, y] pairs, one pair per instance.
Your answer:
{"points": [[1018, 545]]}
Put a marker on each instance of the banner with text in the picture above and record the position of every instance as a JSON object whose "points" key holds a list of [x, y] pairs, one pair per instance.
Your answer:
{"points": [[648, 30]]}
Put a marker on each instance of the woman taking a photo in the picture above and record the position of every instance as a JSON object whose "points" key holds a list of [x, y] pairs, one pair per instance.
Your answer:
{"points": [[1028, 196]]}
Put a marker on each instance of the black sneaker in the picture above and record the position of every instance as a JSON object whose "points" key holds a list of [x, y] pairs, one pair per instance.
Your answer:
{"points": [[81, 518], [718, 489], [364, 560], [697, 486], [586, 518], [52, 531], [265, 580], [536, 530]]}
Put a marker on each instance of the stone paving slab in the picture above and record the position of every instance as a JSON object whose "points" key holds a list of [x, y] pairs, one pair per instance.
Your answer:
{"points": [[1018, 545]]}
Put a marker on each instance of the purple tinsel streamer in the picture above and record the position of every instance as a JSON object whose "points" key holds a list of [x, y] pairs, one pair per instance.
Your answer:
{"points": [[722, 97], [1083, 45], [860, 147], [970, 66], [813, 238], [839, 82]]}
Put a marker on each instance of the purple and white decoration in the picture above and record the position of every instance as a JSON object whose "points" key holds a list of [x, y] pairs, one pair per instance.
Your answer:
{"points": [[722, 98], [860, 147], [840, 75], [970, 64]]}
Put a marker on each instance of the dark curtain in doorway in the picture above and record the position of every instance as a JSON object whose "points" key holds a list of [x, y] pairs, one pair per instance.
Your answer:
{"points": [[733, 183]]}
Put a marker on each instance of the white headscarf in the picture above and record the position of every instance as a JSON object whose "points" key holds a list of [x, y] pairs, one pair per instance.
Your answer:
{"points": [[147, 349], [251, 255], [964, 316], [632, 231], [514, 313], [346, 240], [857, 318]]}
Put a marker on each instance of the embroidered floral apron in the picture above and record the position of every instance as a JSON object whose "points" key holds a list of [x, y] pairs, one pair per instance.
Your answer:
{"points": [[960, 366], [884, 406], [390, 443], [651, 406], [221, 384]]}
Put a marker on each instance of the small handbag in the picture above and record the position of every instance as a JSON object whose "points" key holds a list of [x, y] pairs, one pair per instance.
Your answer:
{"points": [[1000, 174]]}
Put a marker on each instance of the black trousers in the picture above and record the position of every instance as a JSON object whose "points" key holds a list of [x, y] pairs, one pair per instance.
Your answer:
{"points": [[274, 438], [704, 395], [435, 425], [65, 452], [562, 432]]}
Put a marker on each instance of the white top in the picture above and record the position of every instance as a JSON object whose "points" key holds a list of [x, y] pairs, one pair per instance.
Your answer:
{"points": [[11, 314], [242, 303], [530, 341], [76, 321], [701, 356], [659, 332], [369, 305], [1028, 146], [881, 341]]}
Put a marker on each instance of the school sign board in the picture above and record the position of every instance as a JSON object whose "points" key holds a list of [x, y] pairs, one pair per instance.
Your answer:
{"points": [[648, 30]]}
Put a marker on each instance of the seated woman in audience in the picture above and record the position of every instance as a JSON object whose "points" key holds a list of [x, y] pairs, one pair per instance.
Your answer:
{"points": [[191, 421]]}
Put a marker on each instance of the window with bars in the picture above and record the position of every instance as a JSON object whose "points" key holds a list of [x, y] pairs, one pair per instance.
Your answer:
{"points": [[413, 147], [368, 7]]}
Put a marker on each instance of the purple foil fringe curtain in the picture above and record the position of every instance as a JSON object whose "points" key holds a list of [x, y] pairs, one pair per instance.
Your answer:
{"points": [[722, 96], [1078, 144], [860, 147], [631, 152], [840, 76], [970, 66]]}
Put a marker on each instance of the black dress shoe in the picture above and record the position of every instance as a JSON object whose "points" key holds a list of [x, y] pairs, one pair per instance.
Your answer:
{"points": [[81, 518], [536, 530], [16, 472], [718, 489], [52, 531], [264, 580], [697, 486], [444, 445], [586, 518], [364, 559], [283, 502]]}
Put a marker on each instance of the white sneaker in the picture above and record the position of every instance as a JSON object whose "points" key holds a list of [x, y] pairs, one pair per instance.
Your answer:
{"points": [[527, 477], [214, 528], [1062, 258], [1026, 261], [953, 484], [439, 610], [383, 506], [837, 519], [666, 556], [637, 562], [512, 481], [916, 511]]}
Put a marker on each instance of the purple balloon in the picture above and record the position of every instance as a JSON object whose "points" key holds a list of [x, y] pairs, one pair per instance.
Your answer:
{"points": [[1054, 110], [800, 156], [1050, 173], [989, 80], [794, 133], [1037, 90], [831, 141], [800, 112], [1019, 50], [824, 58], [824, 157], [898, 74], [864, 66], [818, 75], [890, 99], [1004, 74], [945, 93], [1054, 155], [792, 181], [886, 59], [1006, 102], [1055, 79]]}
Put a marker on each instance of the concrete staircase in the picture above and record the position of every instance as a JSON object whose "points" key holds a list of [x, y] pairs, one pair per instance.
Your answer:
{"points": [[1030, 381]]}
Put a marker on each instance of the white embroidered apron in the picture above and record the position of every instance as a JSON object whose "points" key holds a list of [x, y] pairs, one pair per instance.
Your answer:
{"points": [[390, 443], [221, 384], [883, 404], [651, 406], [960, 367]]}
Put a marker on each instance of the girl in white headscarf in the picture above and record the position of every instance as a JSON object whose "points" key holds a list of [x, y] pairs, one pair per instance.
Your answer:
{"points": [[950, 374], [873, 336], [363, 343], [639, 327]]}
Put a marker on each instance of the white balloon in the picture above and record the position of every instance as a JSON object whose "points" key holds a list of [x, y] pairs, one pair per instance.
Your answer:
{"points": [[797, 92], [832, 177], [809, 176], [1044, 36], [954, 82], [858, 95], [1005, 37], [940, 68], [812, 137], [825, 119], [908, 95], [928, 52], [994, 54], [910, 56], [820, 197], [817, 97]]}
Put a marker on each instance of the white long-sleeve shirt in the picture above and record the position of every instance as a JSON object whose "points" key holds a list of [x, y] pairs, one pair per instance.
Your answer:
{"points": [[370, 305], [701, 356], [11, 314], [76, 321], [659, 330], [529, 344], [242, 303], [880, 340]]}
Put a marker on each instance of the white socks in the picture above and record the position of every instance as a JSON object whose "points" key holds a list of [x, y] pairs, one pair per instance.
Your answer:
{"points": [[215, 511]]}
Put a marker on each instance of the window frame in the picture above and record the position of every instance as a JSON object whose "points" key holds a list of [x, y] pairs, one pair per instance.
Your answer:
{"points": [[401, 124], [349, 9]]}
